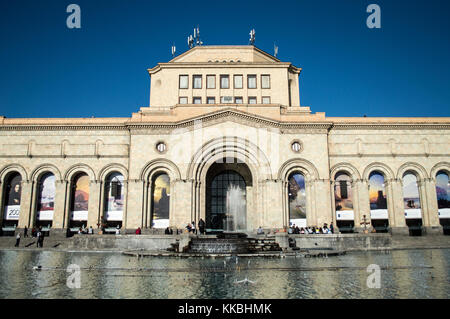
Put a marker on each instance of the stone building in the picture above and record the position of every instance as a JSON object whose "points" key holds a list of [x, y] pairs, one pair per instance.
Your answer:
{"points": [[225, 139]]}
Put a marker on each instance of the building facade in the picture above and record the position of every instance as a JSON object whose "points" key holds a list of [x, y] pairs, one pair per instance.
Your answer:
{"points": [[226, 140]]}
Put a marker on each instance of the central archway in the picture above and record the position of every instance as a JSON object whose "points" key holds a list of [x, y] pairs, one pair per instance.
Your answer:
{"points": [[227, 182]]}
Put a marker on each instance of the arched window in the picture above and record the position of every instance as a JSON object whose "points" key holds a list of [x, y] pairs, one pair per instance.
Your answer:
{"points": [[378, 202], [443, 200], [79, 200], [160, 201], [12, 193], [45, 200], [114, 200], [411, 202], [297, 199], [343, 199]]}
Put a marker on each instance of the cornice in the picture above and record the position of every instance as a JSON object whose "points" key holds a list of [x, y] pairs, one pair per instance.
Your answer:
{"points": [[229, 113], [390, 126], [58, 127]]}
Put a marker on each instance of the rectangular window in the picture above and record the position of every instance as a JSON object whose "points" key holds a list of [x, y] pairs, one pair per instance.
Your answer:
{"points": [[238, 100], [238, 82], [210, 81], [251, 81], [224, 81], [197, 100], [252, 100], [265, 81], [184, 81], [183, 100], [211, 100], [266, 100], [226, 99], [197, 80]]}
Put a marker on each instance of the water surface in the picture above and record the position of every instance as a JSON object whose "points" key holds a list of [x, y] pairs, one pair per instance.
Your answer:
{"points": [[404, 274]]}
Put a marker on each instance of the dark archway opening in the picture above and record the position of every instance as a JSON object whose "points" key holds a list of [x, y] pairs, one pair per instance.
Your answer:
{"points": [[226, 196]]}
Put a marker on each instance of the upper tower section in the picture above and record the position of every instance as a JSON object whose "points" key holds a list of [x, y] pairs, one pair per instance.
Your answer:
{"points": [[224, 75]]}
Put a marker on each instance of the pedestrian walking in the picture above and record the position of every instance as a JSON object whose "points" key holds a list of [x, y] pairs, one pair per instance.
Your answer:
{"points": [[17, 240]]}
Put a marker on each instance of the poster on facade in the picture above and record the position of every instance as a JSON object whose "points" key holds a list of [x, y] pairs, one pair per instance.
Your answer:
{"points": [[46, 200], [297, 200], [343, 198], [12, 208], [81, 199], [377, 197], [443, 195], [411, 198], [161, 200], [114, 198]]}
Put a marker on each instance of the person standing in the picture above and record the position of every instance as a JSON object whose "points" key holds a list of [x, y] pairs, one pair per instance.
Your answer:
{"points": [[17, 240], [38, 236], [42, 240], [201, 226], [25, 232], [332, 228]]}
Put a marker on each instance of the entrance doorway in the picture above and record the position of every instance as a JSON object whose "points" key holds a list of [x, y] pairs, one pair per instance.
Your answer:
{"points": [[226, 196]]}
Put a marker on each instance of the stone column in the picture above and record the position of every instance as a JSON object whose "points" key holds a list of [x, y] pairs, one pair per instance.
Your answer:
{"points": [[333, 206], [125, 206], [363, 205], [399, 227], [275, 217], [2, 210], [61, 197], [390, 202], [311, 218], [94, 204], [356, 207], [321, 206], [432, 225], [180, 201], [135, 204], [25, 204]]}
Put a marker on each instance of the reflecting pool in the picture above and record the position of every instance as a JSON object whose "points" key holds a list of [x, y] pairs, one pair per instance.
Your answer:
{"points": [[403, 274]]}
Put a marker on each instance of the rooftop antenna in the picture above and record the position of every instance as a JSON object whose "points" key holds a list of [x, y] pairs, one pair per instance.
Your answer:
{"points": [[190, 41], [275, 50], [252, 37], [194, 40], [198, 41], [174, 49]]}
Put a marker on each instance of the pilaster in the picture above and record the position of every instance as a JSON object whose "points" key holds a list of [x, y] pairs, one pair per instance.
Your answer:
{"points": [[25, 203], [61, 196], [94, 204]]}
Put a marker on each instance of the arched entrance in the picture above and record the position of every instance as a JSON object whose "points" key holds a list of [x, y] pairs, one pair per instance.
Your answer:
{"points": [[226, 196]]}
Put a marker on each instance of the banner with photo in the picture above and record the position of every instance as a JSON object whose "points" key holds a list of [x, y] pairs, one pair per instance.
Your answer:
{"points": [[81, 199], [114, 197], [411, 197], [343, 197], [46, 200], [377, 197], [297, 200], [443, 194], [161, 201], [13, 194]]}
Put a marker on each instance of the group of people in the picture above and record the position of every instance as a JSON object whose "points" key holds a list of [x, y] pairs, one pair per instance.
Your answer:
{"points": [[312, 230], [85, 230], [35, 233], [201, 227]]}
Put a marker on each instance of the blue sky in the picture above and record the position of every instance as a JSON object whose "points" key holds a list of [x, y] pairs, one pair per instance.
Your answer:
{"points": [[48, 70]]}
